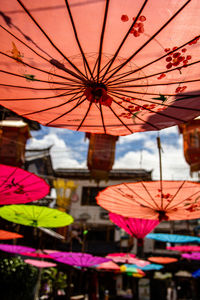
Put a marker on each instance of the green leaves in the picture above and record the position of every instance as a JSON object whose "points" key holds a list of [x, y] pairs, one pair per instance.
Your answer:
{"points": [[161, 98]]}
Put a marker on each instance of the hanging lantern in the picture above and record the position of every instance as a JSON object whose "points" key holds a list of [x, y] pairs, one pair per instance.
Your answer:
{"points": [[191, 143], [13, 137], [101, 155], [64, 191]]}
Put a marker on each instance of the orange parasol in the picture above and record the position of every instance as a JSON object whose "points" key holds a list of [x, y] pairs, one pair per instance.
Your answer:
{"points": [[162, 259], [158, 200], [7, 235], [99, 66]]}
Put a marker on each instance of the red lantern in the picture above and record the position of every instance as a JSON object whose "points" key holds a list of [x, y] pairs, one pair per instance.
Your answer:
{"points": [[191, 143], [13, 141], [101, 155]]}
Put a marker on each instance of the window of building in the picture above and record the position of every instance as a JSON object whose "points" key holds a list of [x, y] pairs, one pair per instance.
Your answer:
{"points": [[89, 195]]}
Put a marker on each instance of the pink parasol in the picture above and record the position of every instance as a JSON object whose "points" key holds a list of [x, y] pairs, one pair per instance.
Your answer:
{"points": [[20, 186], [186, 248], [162, 260], [194, 256], [78, 259], [128, 259], [121, 257], [137, 228], [40, 263], [7, 235], [15, 248], [108, 266], [155, 200]]}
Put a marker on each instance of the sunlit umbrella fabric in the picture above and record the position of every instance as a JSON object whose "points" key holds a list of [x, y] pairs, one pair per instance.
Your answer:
{"points": [[155, 200], [8, 235], [173, 238], [184, 248], [37, 216], [162, 259], [15, 248], [101, 67], [138, 228], [78, 259], [193, 256], [20, 186], [40, 263]]}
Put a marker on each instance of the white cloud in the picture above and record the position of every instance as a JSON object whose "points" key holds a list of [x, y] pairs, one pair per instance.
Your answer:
{"points": [[62, 155], [174, 166]]}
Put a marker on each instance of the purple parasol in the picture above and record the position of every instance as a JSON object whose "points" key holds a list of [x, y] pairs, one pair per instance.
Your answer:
{"points": [[16, 248], [78, 259]]}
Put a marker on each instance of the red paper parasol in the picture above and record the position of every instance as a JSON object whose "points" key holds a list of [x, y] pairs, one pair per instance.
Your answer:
{"points": [[7, 235], [40, 263], [186, 248], [155, 200], [101, 67], [20, 186], [162, 259], [38, 254]]}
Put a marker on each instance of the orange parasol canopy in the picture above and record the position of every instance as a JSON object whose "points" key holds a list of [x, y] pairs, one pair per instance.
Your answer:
{"points": [[99, 66], [7, 235], [159, 200], [162, 259]]}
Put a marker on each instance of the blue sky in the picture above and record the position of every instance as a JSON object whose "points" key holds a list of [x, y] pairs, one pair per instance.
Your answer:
{"points": [[138, 150]]}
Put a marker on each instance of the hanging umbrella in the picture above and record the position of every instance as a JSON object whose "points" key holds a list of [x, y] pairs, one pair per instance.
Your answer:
{"points": [[101, 67], [108, 266], [38, 254], [193, 255], [131, 269], [151, 267], [33, 215], [156, 200], [78, 259], [7, 235], [196, 274], [40, 263], [128, 259], [136, 227], [20, 186], [173, 238], [15, 248], [162, 259], [121, 257], [185, 248]]}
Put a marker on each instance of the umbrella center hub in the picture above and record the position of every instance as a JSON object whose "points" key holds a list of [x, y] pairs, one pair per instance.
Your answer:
{"points": [[162, 215], [97, 93]]}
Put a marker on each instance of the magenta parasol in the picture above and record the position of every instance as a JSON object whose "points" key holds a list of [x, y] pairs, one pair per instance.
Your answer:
{"points": [[20, 186], [15, 248], [185, 248], [78, 259], [193, 256]]}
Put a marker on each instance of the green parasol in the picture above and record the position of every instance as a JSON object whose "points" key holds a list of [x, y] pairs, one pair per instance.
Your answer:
{"points": [[37, 216]]}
